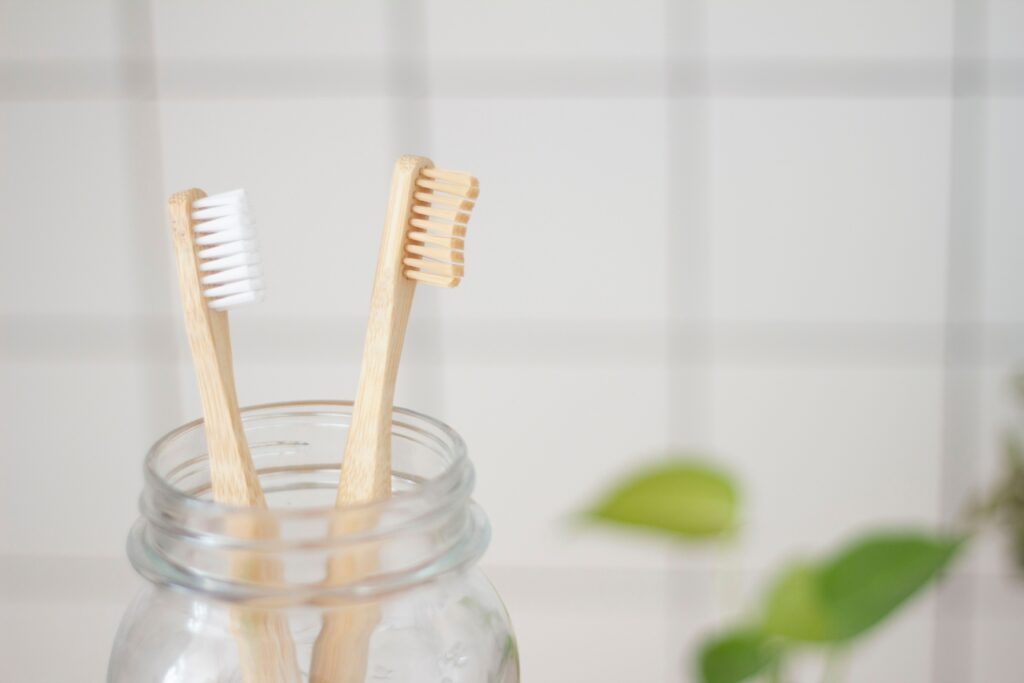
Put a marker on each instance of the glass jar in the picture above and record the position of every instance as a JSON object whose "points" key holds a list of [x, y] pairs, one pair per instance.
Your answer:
{"points": [[425, 611]]}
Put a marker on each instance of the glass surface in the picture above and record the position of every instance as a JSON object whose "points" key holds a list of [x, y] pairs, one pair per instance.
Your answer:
{"points": [[217, 588]]}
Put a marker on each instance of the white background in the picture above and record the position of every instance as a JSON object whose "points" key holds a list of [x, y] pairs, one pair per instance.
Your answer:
{"points": [[784, 234]]}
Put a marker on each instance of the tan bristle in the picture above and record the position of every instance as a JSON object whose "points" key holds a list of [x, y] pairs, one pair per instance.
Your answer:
{"points": [[468, 191], [435, 267], [445, 229], [446, 214], [438, 254], [437, 198], [430, 279], [457, 177], [444, 200], [446, 242]]}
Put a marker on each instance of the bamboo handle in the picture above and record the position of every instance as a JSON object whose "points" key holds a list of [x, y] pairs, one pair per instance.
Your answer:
{"points": [[265, 647], [232, 474], [341, 650], [366, 467]]}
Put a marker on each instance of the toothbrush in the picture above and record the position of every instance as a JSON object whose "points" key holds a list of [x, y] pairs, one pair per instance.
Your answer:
{"points": [[422, 242], [219, 269]]}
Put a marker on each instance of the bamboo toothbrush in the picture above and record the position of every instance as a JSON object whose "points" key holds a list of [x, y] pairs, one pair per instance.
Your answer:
{"points": [[422, 242], [219, 268], [424, 227]]}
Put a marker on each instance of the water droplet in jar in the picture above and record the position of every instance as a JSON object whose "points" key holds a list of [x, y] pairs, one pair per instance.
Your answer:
{"points": [[382, 673]]}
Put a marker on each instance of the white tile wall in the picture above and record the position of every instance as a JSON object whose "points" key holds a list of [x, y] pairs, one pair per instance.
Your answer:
{"points": [[562, 616], [569, 30], [823, 452], [271, 382], [197, 31], [714, 226], [569, 431], [834, 29], [29, 630], [582, 206], [831, 210], [59, 30], [1003, 240], [65, 170], [997, 636], [1004, 26], [41, 606], [997, 641], [73, 441]]}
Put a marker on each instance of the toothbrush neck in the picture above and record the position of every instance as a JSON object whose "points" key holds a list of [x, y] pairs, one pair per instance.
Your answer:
{"points": [[382, 350]]}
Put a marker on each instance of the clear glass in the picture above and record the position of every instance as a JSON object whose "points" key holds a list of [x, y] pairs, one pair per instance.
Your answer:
{"points": [[430, 615]]}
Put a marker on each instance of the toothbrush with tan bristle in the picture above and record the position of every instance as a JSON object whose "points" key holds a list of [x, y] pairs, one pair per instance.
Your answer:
{"points": [[424, 227], [218, 269]]}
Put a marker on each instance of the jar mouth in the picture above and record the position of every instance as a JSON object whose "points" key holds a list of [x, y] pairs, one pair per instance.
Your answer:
{"points": [[402, 418], [428, 526]]}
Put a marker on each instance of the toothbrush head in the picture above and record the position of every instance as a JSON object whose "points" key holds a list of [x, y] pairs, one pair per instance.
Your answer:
{"points": [[229, 262], [442, 203]]}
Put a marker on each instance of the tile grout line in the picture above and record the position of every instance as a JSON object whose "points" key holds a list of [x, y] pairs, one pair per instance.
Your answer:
{"points": [[952, 647], [773, 78], [83, 339], [668, 355], [413, 131], [687, 268], [144, 153]]}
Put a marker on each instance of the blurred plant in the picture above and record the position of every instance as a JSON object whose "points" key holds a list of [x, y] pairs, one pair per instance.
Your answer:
{"points": [[821, 605], [1003, 507], [827, 604], [824, 604], [684, 498]]}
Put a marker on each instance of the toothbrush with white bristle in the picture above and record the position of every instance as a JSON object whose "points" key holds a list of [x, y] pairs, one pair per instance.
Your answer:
{"points": [[219, 268]]}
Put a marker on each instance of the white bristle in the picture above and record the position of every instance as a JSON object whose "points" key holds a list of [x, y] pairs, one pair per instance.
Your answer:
{"points": [[229, 259]]}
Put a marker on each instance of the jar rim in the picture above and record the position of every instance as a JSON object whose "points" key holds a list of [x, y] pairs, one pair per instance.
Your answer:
{"points": [[185, 540], [448, 479]]}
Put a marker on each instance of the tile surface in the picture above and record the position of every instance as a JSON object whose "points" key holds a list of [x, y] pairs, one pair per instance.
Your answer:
{"points": [[834, 29], [569, 30], [76, 246], [236, 30], [1004, 26], [828, 210], [558, 234], [812, 447], [1002, 237], [73, 461], [562, 618], [547, 445], [59, 30]]}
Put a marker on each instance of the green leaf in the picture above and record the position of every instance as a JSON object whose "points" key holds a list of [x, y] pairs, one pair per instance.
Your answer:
{"points": [[868, 580], [849, 593], [794, 608], [683, 498], [736, 656]]}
